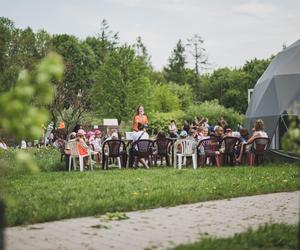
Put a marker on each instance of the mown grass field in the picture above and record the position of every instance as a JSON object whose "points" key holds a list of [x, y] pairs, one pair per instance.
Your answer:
{"points": [[268, 237], [48, 196]]}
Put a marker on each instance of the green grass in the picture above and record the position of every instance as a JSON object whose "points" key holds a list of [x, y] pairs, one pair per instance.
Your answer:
{"points": [[57, 195], [268, 237]]}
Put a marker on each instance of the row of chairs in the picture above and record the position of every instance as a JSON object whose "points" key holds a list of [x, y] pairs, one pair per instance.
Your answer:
{"points": [[224, 151], [207, 150]]}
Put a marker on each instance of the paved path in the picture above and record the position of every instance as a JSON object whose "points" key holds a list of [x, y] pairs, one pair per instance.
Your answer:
{"points": [[159, 228]]}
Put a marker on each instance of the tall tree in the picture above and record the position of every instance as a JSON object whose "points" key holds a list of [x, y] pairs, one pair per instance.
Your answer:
{"points": [[176, 68], [72, 97], [198, 53], [8, 72], [142, 52], [122, 84], [103, 43]]}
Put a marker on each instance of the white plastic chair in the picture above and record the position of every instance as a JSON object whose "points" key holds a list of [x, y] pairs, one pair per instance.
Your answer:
{"points": [[75, 154], [188, 148]]}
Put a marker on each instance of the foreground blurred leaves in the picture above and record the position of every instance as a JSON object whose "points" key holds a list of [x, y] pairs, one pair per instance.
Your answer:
{"points": [[18, 116]]}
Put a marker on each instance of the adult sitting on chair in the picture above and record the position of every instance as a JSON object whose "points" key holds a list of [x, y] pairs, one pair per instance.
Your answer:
{"points": [[258, 132], [139, 135]]}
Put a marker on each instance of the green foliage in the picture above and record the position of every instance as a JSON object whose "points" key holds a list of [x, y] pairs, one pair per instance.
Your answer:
{"points": [[161, 121], [104, 43], [54, 196], [184, 93], [230, 86], [17, 115], [72, 97], [121, 85], [164, 99], [214, 111], [21, 119], [291, 139], [176, 69], [268, 237], [255, 68], [116, 216]]}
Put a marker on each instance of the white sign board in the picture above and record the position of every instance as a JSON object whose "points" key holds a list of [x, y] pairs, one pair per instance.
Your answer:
{"points": [[110, 122]]}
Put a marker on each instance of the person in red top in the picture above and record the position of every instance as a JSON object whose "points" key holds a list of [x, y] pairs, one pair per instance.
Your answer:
{"points": [[139, 117]]}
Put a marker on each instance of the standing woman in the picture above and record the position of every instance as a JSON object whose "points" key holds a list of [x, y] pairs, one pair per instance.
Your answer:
{"points": [[139, 117]]}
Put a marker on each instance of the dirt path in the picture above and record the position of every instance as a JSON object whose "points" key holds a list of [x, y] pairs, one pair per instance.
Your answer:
{"points": [[159, 228]]}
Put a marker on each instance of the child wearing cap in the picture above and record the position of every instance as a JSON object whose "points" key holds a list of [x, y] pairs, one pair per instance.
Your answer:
{"points": [[83, 148]]}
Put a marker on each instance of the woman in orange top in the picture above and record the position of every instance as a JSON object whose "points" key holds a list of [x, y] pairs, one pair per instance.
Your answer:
{"points": [[139, 117]]}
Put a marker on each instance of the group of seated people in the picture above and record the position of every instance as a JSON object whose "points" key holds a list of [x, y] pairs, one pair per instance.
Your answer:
{"points": [[201, 130], [91, 143]]}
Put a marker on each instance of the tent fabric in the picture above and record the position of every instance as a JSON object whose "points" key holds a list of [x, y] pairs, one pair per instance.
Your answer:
{"points": [[277, 90]]}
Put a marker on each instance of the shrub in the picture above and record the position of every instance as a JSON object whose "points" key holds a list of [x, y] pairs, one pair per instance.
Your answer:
{"points": [[184, 93], [164, 100], [291, 139], [161, 121], [213, 111], [47, 159]]}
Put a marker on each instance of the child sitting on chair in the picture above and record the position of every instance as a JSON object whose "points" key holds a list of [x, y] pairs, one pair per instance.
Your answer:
{"points": [[96, 145], [83, 148]]}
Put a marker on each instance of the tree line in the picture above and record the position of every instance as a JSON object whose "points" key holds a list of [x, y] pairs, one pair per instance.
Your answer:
{"points": [[105, 78]]}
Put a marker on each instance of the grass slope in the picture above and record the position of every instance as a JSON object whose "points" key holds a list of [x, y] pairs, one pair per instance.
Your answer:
{"points": [[57, 195]]}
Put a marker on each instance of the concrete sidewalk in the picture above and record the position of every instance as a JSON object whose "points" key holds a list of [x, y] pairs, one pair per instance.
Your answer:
{"points": [[159, 228]]}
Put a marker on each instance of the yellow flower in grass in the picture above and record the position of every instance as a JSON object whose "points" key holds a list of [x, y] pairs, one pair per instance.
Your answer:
{"points": [[135, 193], [285, 180]]}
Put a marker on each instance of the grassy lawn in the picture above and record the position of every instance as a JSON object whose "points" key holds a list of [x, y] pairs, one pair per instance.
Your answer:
{"points": [[268, 237], [51, 196]]}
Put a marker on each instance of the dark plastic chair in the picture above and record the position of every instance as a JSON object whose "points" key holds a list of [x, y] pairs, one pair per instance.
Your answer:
{"points": [[256, 154], [163, 150], [141, 149], [230, 144], [211, 148], [114, 151], [61, 144]]}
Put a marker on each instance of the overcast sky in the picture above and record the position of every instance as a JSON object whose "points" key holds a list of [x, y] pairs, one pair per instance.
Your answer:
{"points": [[233, 30]]}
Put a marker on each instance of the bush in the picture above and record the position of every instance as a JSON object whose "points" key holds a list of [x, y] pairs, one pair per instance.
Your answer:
{"points": [[213, 111], [161, 121], [291, 139], [184, 93], [164, 100], [47, 159]]}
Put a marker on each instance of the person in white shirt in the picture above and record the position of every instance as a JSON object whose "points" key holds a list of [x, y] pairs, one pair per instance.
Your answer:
{"points": [[140, 135]]}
